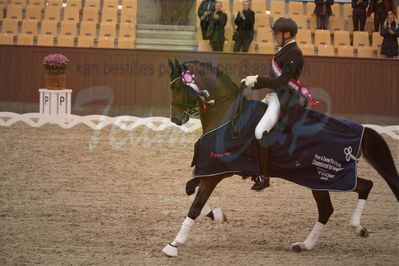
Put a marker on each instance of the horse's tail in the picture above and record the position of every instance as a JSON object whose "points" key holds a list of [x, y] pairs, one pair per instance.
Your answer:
{"points": [[377, 153]]}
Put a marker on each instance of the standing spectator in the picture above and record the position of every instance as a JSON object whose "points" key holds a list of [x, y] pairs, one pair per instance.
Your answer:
{"points": [[323, 12], [245, 21], [204, 10], [217, 22], [390, 32], [359, 14], [380, 8]]}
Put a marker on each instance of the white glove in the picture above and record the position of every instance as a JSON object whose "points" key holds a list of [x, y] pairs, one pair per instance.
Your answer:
{"points": [[250, 80]]}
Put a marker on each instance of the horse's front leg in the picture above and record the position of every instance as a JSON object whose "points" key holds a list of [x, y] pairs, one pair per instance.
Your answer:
{"points": [[215, 214], [325, 209], [205, 189]]}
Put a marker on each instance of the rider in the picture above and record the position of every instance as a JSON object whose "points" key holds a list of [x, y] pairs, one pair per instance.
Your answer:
{"points": [[287, 65]]}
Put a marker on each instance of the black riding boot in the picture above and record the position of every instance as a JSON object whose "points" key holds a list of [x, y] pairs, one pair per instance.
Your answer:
{"points": [[262, 181]]}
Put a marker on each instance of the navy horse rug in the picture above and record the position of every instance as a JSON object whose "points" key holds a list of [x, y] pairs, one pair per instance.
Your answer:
{"points": [[319, 152]]}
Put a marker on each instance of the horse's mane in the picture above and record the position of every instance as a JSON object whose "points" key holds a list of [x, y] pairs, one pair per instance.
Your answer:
{"points": [[216, 71]]}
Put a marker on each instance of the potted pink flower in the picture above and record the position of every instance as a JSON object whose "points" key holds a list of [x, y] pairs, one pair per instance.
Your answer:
{"points": [[55, 66]]}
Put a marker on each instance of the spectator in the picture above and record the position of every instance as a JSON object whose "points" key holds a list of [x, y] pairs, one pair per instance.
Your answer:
{"points": [[204, 10], [390, 32], [245, 21], [323, 12], [380, 8], [359, 14], [217, 22]]}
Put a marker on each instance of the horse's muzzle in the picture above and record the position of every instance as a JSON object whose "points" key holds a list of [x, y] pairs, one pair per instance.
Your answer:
{"points": [[179, 119]]}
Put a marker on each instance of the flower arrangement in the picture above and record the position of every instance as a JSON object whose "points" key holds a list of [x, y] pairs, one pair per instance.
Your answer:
{"points": [[55, 62]]}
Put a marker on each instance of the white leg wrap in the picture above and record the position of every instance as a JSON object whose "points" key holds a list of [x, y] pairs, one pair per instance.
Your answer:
{"points": [[271, 115], [311, 241], [185, 229], [357, 213], [205, 210]]}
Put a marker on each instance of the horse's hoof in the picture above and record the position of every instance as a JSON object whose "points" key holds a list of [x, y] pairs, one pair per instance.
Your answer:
{"points": [[170, 250], [360, 231], [298, 247], [218, 215]]}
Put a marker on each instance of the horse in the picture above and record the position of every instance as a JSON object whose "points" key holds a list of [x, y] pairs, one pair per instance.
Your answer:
{"points": [[189, 98]]}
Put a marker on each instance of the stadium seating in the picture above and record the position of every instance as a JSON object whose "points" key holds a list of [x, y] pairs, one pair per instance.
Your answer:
{"points": [[108, 29], [110, 4], [10, 26], [295, 9], [53, 12], [49, 27], [125, 42], [307, 49], [325, 50], [110, 14], [376, 41], [258, 6], [322, 37], [74, 3], [66, 40], [346, 51], [93, 4], [106, 42], [57, 3], [39, 3], [360, 38], [341, 38], [69, 28], [71, 13], [45, 40], [364, 51], [21, 3], [85, 41], [266, 48], [88, 28], [277, 9], [90, 14], [14, 12], [29, 26], [304, 36], [33, 12]]}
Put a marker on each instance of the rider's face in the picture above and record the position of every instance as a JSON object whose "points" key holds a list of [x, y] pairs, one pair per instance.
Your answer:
{"points": [[278, 37]]}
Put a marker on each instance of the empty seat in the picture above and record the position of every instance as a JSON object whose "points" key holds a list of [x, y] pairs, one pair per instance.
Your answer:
{"points": [[364, 51], [128, 14], [129, 3], [325, 50], [237, 6], [341, 38], [1, 12], [10, 26], [7, 39], [322, 37], [262, 21], [29, 26], [33, 12], [71, 13], [112, 4], [68, 28], [85, 41], [90, 14], [337, 23], [348, 11], [277, 8], [49, 27], [93, 4], [110, 14], [57, 3], [39, 3], [128, 30], [25, 39], [108, 29], [301, 21], [336, 10], [52, 13], [66, 40], [258, 6], [307, 49], [21, 3], [295, 8], [225, 6], [127, 42], [376, 40], [360, 38], [304, 36], [264, 35], [204, 45], [74, 3], [346, 51], [88, 28], [45, 40], [106, 42], [266, 48], [14, 12]]}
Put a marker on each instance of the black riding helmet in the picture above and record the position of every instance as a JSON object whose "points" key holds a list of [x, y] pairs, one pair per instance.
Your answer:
{"points": [[285, 25]]}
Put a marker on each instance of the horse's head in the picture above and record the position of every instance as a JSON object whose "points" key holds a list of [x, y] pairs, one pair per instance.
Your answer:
{"points": [[184, 97]]}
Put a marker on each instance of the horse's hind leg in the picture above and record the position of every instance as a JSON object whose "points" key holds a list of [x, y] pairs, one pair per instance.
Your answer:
{"points": [[363, 188], [377, 153], [325, 209], [206, 187], [215, 214]]}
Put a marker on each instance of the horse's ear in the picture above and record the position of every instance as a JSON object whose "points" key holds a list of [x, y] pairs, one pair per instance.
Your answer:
{"points": [[172, 67], [177, 65]]}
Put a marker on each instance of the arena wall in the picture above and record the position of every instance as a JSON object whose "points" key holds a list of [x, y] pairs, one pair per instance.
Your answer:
{"points": [[126, 77]]}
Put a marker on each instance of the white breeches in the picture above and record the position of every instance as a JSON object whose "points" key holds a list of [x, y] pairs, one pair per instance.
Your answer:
{"points": [[271, 115]]}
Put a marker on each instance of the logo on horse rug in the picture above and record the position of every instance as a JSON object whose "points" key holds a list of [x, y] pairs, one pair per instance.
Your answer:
{"points": [[319, 152]]}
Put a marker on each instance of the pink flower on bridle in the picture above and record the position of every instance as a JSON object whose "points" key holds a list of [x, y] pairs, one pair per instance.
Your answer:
{"points": [[189, 79]]}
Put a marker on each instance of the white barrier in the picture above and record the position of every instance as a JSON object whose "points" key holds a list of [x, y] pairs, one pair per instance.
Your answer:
{"points": [[97, 122]]}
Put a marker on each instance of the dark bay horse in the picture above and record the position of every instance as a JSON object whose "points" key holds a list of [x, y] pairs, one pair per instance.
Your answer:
{"points": [[187, 99]]}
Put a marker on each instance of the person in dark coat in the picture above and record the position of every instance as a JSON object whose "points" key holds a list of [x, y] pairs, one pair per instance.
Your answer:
{"points": [[390, 32], [359, 14], [323, 12], [245, 21], [204, 10], [380, 8], [283, 101], [217, 22]]}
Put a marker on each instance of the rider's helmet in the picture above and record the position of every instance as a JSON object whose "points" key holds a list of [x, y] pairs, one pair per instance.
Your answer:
{"points": [[285, 25]]}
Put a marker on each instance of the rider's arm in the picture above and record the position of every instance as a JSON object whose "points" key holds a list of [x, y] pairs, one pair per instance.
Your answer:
{"points": [[290, 69]]}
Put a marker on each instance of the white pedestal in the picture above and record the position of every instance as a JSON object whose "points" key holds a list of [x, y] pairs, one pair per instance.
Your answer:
{"points": [[55, 102]]}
